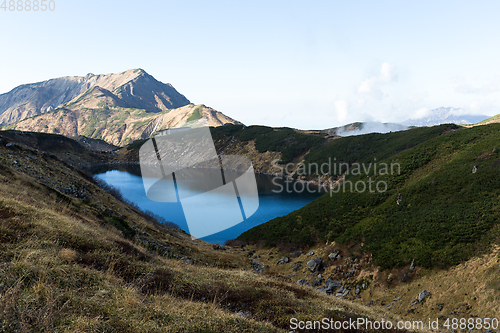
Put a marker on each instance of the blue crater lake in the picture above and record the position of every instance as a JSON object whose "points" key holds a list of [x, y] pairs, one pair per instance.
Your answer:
{"points": [[276, 198]]}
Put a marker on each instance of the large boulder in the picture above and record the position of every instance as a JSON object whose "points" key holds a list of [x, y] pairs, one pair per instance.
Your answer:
{"points": [[315, 264], [331, 286]]}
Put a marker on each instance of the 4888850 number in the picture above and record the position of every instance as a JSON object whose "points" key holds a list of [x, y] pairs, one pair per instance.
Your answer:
{"points": [[472, 323], [28, 5]]}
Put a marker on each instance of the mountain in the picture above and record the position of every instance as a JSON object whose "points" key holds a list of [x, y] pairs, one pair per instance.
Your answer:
{"points": [[116, 108], [115, 125], [130, 89], [444, 115]]}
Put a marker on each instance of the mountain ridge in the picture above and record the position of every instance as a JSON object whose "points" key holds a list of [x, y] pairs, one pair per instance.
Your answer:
{"points": [[445, 115], [117, 108], [133, 88], [118, 126]]}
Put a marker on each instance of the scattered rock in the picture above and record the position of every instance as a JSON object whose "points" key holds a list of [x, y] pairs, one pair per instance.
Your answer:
{"points": [[357, 291], [440, 307], [412, 266], [315, 264], [296, 266], [10, 144], [423, 295], [296, 254], [332, 283], [257, 266], [302, 282], [219, 247], [334, 256], [330, 286], [364, 286], [323, 290], [283, 260], [310, 254], [397, 298], [315, 283]]}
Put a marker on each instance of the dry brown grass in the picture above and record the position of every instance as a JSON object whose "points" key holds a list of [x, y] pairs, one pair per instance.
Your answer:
{"points": [[68, 255], [468, 290], [64, 268]]}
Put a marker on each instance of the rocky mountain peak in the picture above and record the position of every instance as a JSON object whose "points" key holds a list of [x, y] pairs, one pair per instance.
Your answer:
{"points": [[133, 88]]}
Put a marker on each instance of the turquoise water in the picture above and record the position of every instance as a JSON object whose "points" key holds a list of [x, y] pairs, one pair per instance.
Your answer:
{"points": [[271, 203]]}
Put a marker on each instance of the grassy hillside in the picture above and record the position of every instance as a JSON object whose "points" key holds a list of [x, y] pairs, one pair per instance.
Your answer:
{"points": [[494, 119], [365, 148], [73, 258], [261, 144], [289, 143], [445, 212]]}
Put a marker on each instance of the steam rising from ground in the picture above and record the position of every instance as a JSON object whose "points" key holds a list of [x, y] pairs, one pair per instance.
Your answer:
{"points": [[371, 127]]}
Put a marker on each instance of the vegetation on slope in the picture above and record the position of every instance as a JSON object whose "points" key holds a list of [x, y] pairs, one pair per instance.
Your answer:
{"points": [[103, 119], [442, 208], [366, 148], [288, 142], [94, 263], [494, 119]]}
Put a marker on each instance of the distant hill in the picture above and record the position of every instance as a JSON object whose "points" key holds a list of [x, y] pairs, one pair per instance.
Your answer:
{"points": [[491, 120], [365, 128], [444, 115], [116, 108]]}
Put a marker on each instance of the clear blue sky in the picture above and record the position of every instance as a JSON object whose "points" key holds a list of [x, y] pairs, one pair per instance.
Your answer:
{"points": [[304, 64]]}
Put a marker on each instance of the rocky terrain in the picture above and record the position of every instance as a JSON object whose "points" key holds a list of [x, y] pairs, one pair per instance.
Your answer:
{"points": [[114, 108], [412, 292], [117, 126], [130, 89]]}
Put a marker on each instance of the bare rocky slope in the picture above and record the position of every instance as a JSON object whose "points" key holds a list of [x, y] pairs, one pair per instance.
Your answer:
{"points": [[133, 89], [116, 125]]}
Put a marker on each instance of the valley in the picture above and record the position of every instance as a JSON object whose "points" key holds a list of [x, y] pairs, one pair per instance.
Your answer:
{"points": [[74, 248]]}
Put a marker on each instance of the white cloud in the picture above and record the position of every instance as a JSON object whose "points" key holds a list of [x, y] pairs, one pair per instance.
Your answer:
{"points": [[486, 87], [421, 113], [372, 85], [387, 73], [341, 108]]}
